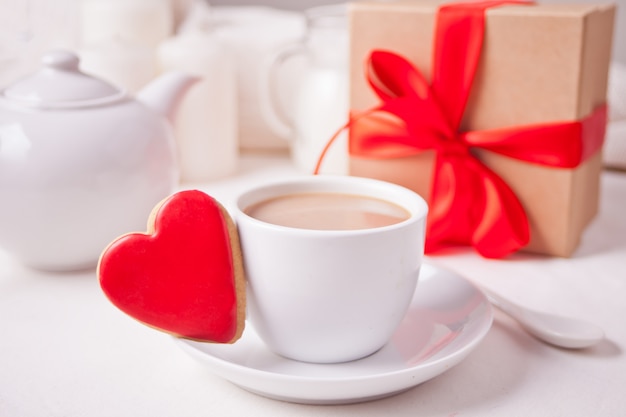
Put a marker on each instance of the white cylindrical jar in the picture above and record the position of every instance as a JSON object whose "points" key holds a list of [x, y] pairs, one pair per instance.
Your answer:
{"points": [[127, 65], [145, 22], [206, 122], [252, 33]]}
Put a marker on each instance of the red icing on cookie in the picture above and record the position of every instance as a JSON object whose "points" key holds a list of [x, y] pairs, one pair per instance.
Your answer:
{"points": [[180, 277]]}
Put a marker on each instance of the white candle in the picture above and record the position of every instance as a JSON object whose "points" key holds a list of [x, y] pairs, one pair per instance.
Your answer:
{"points": [[120, 62], [206, 122], [146, 22]]}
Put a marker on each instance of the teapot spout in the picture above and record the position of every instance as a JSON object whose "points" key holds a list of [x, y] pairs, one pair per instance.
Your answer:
{"points": [[164, 94]]}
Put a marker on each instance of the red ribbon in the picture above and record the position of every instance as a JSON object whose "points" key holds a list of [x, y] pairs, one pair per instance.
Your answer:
{"points": [[469, 204]]}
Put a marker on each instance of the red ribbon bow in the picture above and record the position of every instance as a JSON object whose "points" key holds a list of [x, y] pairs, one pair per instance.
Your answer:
{"points": [[469, 204]]}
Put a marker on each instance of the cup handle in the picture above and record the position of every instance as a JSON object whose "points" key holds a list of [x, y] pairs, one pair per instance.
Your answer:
{"points": [[271, 109]]}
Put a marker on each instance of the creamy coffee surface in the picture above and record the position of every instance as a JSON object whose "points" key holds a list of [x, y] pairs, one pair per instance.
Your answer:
{"points": [[328, 211]]}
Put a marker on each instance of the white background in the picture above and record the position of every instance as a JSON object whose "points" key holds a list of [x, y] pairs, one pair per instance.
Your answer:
{"points": [[619, 50]]}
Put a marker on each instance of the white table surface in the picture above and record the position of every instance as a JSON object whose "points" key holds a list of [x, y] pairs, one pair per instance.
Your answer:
{"points": [[66, 351]]}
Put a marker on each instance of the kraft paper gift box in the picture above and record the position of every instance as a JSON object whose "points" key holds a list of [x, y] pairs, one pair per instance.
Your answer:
{"points": [[539, 64]]}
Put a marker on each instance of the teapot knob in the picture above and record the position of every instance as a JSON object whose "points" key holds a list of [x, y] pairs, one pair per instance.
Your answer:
{"points": [[61, 60]]}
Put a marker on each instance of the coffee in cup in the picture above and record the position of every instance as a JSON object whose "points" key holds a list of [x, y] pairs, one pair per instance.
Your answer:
{"points": [[328, 211]]}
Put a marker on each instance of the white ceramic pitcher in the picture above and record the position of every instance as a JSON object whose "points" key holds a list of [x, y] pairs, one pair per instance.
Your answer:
{"points": [[320, 99]]}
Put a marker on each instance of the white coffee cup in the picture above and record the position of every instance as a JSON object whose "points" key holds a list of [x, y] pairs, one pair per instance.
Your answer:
{"points": [[328, 296]]}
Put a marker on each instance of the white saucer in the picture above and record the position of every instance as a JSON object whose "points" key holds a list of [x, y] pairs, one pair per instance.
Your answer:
{"points": [[447, 319]]}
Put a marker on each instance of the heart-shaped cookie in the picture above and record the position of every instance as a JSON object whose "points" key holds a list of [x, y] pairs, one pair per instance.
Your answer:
{"points": [[185, 275]]}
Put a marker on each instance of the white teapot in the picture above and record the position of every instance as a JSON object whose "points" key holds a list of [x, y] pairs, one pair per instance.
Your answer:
{"points": [[81, 162]]}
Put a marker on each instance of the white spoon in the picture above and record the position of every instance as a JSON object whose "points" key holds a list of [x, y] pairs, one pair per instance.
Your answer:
{"points": [[556, 330]]}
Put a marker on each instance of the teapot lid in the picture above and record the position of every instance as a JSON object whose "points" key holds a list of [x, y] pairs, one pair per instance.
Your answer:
{"points": [[60, 84]]}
